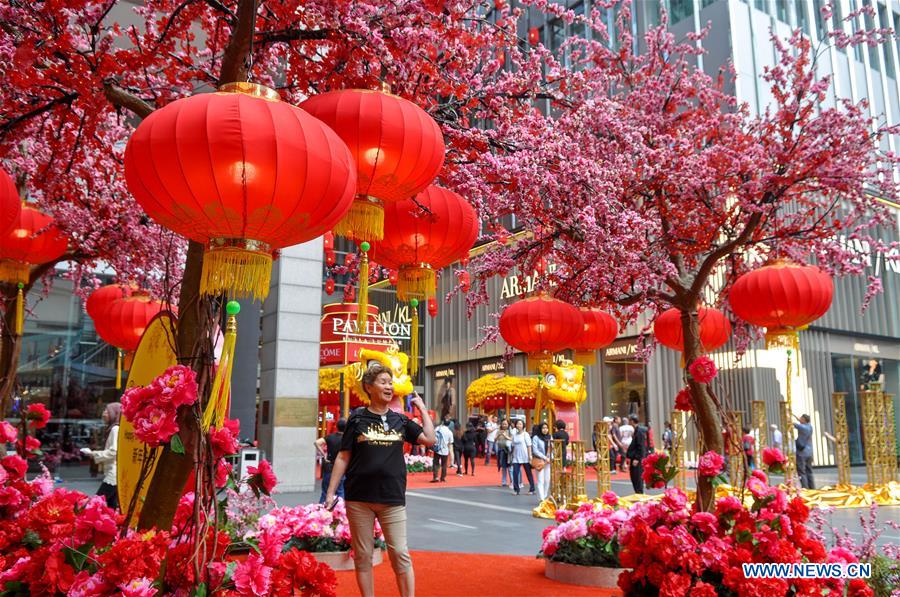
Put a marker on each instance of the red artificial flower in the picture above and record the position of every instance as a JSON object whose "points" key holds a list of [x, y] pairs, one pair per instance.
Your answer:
{"points": [[675, 585], [797, 510], [53, 517], [37, 415], [774, 460], [155, 426], [253, 577], [710, 464], [262, 478], [610, 498], [222, 441], [32, 445], [703, 369], [8, 432], [683, 400], [15, 466], [702, 589], [223, 471], [859, 588], [138, 555]]}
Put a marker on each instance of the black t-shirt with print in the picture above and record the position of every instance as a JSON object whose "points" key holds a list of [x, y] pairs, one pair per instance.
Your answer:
{"points": [[377, 470]]}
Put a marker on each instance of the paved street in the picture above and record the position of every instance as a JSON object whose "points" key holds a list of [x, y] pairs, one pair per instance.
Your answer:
{"points": [[490, 519]]}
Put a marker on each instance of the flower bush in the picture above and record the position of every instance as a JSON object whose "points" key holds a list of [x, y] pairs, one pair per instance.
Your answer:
{"points": [[417, 464], [702, 369], [152, 408], [311, 528], [773, 460], [657, 472], [585, 537]]}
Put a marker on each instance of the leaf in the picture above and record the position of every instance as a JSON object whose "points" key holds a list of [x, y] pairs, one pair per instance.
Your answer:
{"points": [[75, 557], [199, 590], [229, 571], [176, 445]]}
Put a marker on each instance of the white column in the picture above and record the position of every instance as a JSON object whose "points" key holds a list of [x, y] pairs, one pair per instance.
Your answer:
{"points": [[289, 366]]}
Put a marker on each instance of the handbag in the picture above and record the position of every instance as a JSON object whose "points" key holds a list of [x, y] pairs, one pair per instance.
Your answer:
{"points": [[537, 463]]}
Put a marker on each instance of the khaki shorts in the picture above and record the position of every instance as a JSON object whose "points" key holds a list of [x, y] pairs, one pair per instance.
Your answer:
{"points": [[361, 516]]}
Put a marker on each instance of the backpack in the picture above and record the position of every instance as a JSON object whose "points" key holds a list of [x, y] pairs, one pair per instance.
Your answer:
{"points": [[440, 444]]}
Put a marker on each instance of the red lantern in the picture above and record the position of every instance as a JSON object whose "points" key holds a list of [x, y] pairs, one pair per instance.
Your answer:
{"points": [[329, 286], [465, 281], [393, 276], [783, 297], [540, 326], [10, 204], [124, 322], [242, 172], [715, 329], [101, 300], [432, 307], [398, 148], [330, 259], [599, 329], [534, 36], [32, 240], [424, 234], [328, 241]]}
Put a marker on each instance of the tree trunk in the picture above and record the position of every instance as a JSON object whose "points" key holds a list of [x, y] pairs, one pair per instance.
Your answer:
{"points": [[194, 349], [10, 346], [705, 409]]}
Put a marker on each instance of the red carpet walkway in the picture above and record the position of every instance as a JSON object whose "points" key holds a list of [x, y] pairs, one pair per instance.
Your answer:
{"points": [[443, 574], [484, 476]]}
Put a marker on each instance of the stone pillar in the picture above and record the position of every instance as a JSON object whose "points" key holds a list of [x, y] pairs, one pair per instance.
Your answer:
{"points": [[245, 374], [289, 366]]}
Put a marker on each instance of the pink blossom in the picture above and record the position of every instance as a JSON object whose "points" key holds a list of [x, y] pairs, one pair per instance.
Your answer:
{"points": [[710, 464], [8, 433], [704, 522], [610, 498], [252, 576], [841, 555], [758, 474], [703, 369], [96, 523], [759, 489], [88, 585], [155, 425], [138, 587]]}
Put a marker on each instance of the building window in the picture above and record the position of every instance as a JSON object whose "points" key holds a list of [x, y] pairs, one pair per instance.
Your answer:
{"points": [[800, 12], [837, 21], [680, 10], [886, 48]]}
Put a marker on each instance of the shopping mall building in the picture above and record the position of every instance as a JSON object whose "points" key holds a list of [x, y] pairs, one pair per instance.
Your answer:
{"points": [[67, 367]]}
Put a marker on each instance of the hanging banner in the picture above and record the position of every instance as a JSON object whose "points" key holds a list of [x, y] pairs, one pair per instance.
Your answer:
{"points": [[154, 354], [568, 413]]}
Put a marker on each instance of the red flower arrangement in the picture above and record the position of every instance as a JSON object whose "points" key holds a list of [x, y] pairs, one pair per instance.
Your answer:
{"points": [[262, 478], [37, 415], [683, 400], [703, 369], [774, 460], [153, 409], [656, 470]]}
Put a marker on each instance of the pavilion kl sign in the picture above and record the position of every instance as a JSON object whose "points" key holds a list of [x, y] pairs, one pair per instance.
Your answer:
{"points": [[342, 336]]}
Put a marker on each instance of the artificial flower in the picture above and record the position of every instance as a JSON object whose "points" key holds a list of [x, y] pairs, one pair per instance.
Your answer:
{"points": [[710, 464], [683, 400], [702, 369], [37, 415]]}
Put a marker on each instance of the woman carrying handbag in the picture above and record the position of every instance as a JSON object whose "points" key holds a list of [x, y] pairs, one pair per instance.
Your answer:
{"points": [[504, 444], [541, 445], [521, 457]]}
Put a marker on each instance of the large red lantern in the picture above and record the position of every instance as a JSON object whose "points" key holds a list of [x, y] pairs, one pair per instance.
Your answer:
{"points": [[242, 172], [32, 240], [715, 329], [599, 329], [98, 304], [125, 319], [424, 234], [784, 297], [10, 205], [539, 326], [398, 148]]}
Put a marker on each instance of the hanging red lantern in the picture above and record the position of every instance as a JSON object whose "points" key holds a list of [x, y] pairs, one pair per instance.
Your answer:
{"points": [[424, 234], [124, 321], [10, 204], [784, 297], [599, 329], [328, 241], [242, 172], [534, 36], [715, 329], [99, 302], [465, 281], [330, 259], [539, 326], [398, 148], [432, 307], [393, 276], [329, 286]]}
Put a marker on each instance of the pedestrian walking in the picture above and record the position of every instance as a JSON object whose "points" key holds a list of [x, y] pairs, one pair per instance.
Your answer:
{"points": [[540, 458], [470, 444], [106, 457], [626, 435], [458, 448], [804, 451], [504, 448], [748, 445], [668, 438], [521, 457], [636, 452], [371, 455], [328, 447], [491, 440], [443, 437], [563, 435], [777, 442]]}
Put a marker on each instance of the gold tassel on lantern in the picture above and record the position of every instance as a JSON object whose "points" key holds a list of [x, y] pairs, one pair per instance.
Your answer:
{"points": [[236, 267], [362, 311], [218, 398], [118, 369], [20, 310], [364, 221], [416, 281], [414, 339]]}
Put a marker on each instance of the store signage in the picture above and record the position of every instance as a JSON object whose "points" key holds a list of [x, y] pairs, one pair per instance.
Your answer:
{"points": [[342, 337], [343, 326], [516, 285], [622, 350], [447, 372], [492, 367]]}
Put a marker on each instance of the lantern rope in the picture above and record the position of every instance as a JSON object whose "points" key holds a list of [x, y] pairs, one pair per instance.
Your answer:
{"points": [[236, 272], [218, 398], [364, 221], [416, 281], [362, 314], [414, 339], [20, 309]]}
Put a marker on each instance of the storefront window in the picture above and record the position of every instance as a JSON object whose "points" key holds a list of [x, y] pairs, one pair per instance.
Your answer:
{"points": [[625, 388]]}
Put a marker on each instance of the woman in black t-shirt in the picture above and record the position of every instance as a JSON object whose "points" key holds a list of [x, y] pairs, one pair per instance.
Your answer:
{"points": [[371, 456], [469, 447]]}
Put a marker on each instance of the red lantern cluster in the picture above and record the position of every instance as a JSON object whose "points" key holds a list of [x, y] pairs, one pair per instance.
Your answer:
{"points": [[32, 240], [599, 330], [121, 314], [397, 146], [10, 205], [245, 174], [539, 326], [424, 234], [783, 297], [715, 329]]}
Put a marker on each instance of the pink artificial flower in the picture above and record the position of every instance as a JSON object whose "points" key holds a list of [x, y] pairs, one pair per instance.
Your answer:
{"points": [[3, 476], [703, 369], [573, 530], [710, 464], [683, 400], [96, 524], [758, 474], [253, 577], [138, 587], [223, 441], [674, 499], [8, 432], [610, 498], [136, 399], [10, 496], [562, 515], [759, 489], [177, 386], [223, 470], [262, 478], [86, 584], [841, 555], [728, 506], [704, 522], [774, 460], [602, 528], [155, 426], [37, 415]]}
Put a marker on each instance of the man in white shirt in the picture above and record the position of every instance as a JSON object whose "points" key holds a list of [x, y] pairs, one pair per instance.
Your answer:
{"points": [[443, 440], [491, 428], [777, 441]]}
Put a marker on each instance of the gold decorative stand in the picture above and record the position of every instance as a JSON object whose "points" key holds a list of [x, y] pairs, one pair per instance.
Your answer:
{"points": [[872, 402], [567, 487], [601, 432], [890, 440], [787, 439], [735, 448], [841, 436], [676, 458], [760, 424]]}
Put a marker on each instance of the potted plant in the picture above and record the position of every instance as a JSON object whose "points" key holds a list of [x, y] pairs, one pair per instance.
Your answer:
{"points": [[417, 464]]}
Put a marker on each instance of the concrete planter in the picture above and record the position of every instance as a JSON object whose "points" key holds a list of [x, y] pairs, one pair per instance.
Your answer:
{"points": [[341, 560], [586, 576]]}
